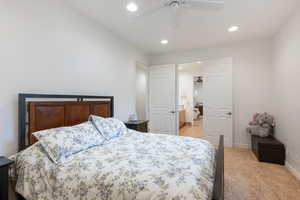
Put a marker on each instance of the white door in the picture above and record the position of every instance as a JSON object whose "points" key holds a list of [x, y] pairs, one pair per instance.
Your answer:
{"points": [[217, 105], [162, 99]]}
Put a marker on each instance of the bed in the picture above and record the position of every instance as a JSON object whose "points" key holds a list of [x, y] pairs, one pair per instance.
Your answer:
{"points": [[133, 166]]}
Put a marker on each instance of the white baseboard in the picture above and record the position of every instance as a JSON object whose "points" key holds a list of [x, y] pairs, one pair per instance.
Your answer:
{"points": [[292, 170]]}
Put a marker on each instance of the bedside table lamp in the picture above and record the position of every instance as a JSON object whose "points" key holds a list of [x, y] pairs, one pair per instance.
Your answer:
{"points": [[133, 117]]}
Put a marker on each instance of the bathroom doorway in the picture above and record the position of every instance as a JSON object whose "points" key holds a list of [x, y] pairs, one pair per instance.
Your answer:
{"points": [[198, 104], [205, 99], [190, 100]]}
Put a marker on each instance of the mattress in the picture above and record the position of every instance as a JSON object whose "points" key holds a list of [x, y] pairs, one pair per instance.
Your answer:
{"points": [[141, 166]]}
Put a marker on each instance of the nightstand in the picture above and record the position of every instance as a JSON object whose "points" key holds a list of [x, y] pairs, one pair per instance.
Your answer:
{"points": [[4, 165], [139, 125]]}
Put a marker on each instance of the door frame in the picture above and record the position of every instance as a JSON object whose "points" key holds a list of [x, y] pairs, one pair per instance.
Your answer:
{"points": [[176, 99], [145, 67]]}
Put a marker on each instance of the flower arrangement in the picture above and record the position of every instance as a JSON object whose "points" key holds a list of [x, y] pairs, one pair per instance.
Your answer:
{"points": [[262, 125]]}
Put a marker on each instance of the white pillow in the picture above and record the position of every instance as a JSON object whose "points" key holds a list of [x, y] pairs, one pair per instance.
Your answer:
{"points": [[60, 143], [109, 127]]}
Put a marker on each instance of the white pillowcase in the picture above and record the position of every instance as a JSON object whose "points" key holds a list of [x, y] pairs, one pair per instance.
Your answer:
{"points": [[60, 143], [109, 127]]}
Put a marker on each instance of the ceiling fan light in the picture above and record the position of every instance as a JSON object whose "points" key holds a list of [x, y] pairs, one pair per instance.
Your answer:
{"points": [[132, 7], [233, 29]]}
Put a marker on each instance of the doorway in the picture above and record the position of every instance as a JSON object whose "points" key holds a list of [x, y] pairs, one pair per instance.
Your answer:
{"points": [[172, 108], [141, 90], [190, 100], [198, 104], [205, 100]]}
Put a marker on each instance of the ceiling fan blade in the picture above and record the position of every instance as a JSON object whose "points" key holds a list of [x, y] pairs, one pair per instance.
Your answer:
{"points": [[205, 4], [175, 17], [151, 11]]}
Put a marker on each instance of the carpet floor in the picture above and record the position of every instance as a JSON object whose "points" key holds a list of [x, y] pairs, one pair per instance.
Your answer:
{"points": [[248, 179]]}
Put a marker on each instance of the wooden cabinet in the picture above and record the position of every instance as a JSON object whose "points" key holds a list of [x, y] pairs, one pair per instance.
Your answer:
{"points": [[268, 149], [181, 118]]}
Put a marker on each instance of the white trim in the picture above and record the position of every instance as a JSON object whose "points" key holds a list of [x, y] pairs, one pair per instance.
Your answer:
{"points": [[292, 170], [176, 98]]}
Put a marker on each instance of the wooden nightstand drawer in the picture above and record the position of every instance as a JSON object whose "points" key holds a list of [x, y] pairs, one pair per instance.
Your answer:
{"points": [[141, 126]]}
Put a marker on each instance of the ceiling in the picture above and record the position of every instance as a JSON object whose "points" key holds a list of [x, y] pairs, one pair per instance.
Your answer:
{"points": [[195, 29]]}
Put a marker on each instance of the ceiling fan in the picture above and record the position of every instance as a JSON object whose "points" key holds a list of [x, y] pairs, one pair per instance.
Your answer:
{"points": [[198, 79], [176, 6], [185, 4], [194, 4]]}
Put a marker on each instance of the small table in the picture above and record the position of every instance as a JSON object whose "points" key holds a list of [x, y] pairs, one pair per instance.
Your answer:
{"points": [[268, 149], [139, 125], [4, 165]]}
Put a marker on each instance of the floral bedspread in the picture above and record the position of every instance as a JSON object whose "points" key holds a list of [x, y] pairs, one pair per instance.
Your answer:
{"points": [[136, 166]]}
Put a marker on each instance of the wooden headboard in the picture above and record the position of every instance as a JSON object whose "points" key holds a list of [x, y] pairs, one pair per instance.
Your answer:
{"points": [[45, 114]]}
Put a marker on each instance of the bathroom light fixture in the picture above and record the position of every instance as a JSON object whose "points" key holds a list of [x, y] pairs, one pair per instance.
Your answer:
{"points": [[132, 7], [233, 29], [164, 41]]}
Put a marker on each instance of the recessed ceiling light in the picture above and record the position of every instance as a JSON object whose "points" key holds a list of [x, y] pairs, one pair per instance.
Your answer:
{"points": [[164, 41], [233, 28], [132, 7], [199, 62]]}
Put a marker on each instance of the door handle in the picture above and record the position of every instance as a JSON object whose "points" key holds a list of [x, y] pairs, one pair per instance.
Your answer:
{"points": [[229, 113], [173, 111]]}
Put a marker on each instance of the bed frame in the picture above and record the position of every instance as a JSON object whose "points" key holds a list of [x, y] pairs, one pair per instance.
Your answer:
{"points": [[35, 108]]}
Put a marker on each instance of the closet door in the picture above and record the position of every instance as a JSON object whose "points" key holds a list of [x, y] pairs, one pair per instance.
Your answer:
{"points": [[162, 99], [217, 94]]}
